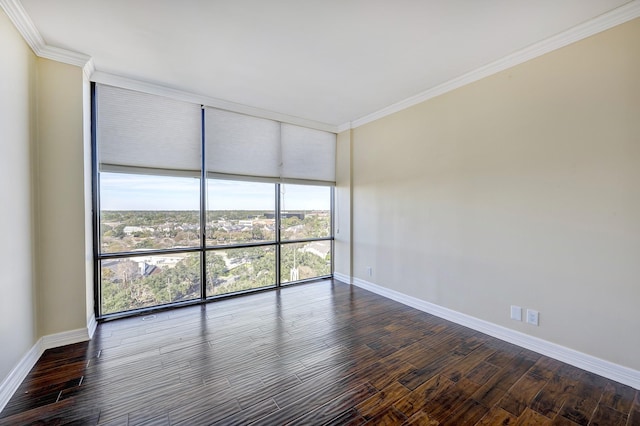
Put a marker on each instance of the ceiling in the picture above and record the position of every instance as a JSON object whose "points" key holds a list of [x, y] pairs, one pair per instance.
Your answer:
{"points": [[330, 61]]}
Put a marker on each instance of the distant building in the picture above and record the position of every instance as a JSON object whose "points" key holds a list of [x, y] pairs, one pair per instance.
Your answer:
{"points": [[285, 215], [146, 269], [319, 248], [128, 230]]}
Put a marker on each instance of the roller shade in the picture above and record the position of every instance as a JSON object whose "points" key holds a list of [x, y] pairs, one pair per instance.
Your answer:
{"points": [[241, 145], [244, 146], [140, 130], [307, 154]]}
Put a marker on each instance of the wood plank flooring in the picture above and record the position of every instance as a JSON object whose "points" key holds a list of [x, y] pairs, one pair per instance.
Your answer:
{"points": [[312, 354]]}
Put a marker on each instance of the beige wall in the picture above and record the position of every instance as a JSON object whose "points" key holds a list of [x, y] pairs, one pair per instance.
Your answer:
{"points": [[17, 135], [45, 191], [342, 206], [62, 287], [522, 188]]}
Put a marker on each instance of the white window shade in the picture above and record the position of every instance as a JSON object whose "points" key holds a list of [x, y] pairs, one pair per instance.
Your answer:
{"points": [[140, 130], [308, 154], [241, 145]]}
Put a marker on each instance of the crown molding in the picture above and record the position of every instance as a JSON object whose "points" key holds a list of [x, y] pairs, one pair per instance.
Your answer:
{"points": [[180, 95], [64, 56], [344, 127], [18, 15], [601, 23], [24, 24], [88, 69], [21, 20]]}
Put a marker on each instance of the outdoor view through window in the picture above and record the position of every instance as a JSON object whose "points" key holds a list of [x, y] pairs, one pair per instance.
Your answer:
{"points": [[141, 215]]}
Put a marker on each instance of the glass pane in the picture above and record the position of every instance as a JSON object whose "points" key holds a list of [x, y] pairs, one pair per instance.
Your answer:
{"points": [[143, 281], [142, 212], [300, 261], [305, 212], [240, 212], [239, 269]]}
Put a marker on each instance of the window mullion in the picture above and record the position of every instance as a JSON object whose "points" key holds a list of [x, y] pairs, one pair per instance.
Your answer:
{"points": [[203, 211], [278, 239]]}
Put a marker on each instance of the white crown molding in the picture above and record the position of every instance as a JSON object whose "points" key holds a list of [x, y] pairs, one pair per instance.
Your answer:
{"points": [[344, 127], [24, 24], [578, 359], [64, 56], [18, 15], [156, 89], [88, 69], [601, 23]]}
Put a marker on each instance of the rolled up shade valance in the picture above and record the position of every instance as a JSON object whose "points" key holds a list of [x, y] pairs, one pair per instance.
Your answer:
{"points": [[241, 145], [137, 129], [307, 154], [140, 132]]}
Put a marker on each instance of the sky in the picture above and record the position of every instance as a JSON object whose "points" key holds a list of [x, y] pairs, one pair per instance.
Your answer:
{"points": [[119, 191]]}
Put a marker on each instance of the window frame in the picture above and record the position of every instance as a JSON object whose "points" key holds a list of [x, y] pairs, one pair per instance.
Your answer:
{"points": [[202, 249]]}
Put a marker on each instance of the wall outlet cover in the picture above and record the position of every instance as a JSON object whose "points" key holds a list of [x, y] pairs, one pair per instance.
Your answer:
{"points": [[516, 313], [532, 317]]}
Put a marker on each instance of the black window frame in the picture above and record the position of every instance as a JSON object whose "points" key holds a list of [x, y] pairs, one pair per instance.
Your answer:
{"points": [[202, 249]]}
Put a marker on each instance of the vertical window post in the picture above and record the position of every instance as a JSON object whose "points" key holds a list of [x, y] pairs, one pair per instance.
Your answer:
{"points": [[203, 210]]}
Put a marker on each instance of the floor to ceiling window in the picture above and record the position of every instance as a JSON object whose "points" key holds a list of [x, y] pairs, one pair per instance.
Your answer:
{"points": [[195, 203]]}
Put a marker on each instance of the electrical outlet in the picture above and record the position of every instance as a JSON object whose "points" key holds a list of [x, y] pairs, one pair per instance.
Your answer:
{"points": [[516, 313], [532, 317], [369, 271]]}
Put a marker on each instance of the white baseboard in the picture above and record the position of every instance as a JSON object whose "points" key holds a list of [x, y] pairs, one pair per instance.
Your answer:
{"points": [[65, 338], [342, 277], [11, 383], [578, 359]]}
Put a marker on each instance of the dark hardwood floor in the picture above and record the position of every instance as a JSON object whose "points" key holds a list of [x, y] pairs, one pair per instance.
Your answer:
{"points": [[320, 353]]}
